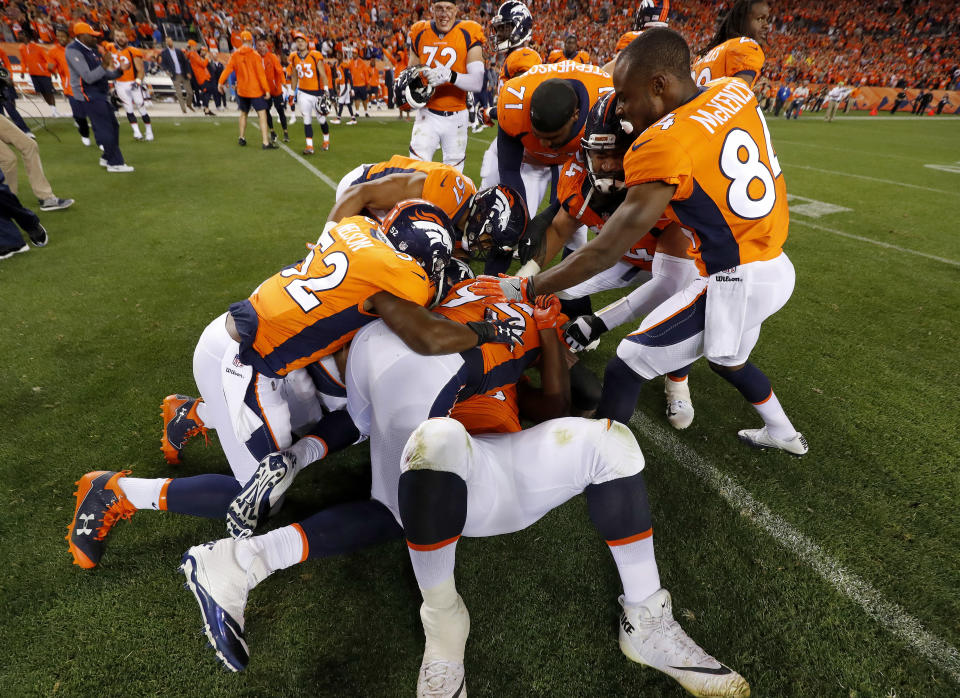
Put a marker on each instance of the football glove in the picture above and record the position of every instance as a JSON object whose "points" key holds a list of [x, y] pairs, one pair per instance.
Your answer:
{"points": [[508, 288], [583, 331], [483, 116], [499, 331], [535, 236], [546, 311], [437, 76]]}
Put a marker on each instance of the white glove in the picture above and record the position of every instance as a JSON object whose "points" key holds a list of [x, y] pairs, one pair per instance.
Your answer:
{"points": [[437, 76]]}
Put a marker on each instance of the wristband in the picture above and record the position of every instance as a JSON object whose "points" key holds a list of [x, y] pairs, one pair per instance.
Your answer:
{"points": [[485, 331], [453, 77], [531, 268]]}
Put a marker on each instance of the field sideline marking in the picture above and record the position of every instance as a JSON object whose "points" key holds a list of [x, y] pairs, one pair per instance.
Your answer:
{"points": [[872, 179], [326, 180], [890, 615], [951, 262]]}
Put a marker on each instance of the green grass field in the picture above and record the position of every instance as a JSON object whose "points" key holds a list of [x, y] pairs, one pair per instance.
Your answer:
{"points": [[102, 323]]}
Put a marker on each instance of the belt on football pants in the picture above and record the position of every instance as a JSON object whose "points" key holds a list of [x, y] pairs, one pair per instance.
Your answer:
{"points": [[443, 113]]}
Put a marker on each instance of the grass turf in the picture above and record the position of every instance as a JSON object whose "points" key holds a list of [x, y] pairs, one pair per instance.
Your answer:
{"points": [[101, 324]]}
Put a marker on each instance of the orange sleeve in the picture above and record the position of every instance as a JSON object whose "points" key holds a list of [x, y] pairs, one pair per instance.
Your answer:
{"points": [[227, 69], [744, 55], [659, 159], [261, 74]]}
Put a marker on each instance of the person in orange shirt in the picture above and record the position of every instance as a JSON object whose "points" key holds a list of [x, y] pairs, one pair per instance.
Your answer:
{"points": [[38, 65], [705, 157], [252, 88], [202, 86], [451, 53], [8, 102], [276, 80], [129, 85], [569, 52]]}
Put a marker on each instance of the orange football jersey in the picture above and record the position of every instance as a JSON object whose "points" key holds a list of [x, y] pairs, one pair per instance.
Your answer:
{"points": [[730, 190], [517, 62], [445, 186], [513, 106], [449, 50], [557, 56], [125, 63], [308, 69], [742, 54], [496, 412], [574, 187], [311, 309]]}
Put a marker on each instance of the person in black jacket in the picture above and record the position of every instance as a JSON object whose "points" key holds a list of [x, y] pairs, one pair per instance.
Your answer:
{"points": [[216, 68], [175, 62]]}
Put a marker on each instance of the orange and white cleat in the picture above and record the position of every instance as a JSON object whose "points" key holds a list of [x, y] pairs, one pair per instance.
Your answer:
{"points": [[326, 146], [308, 150], [100, 504], [180, 422]]}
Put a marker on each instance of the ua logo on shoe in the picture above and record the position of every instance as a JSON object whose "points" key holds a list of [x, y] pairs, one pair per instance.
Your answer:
{"points": [[627, 626], [85, 519]]}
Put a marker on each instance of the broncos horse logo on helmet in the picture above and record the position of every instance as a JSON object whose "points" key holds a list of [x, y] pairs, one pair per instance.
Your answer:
{"points": [[512, 25], [423, 231], [651, 13], [603, 137], [495, 222], [412, 89]]}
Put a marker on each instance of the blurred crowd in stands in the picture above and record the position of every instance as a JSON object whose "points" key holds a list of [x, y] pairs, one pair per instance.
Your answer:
{"points": [[890, 43]]}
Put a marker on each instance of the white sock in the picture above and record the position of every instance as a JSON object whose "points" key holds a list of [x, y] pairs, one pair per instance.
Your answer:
{"points": [[638, 569], [143, 493], [432, 567], [778, 424], [307, 450], [149, 129], [276, 550], [676, 390]]}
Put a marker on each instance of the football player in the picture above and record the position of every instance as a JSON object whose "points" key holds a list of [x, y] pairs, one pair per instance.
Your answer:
{"points": [[451, 53], [513, 28], [308, 78], [591, 188], [569, 52], [649, 14], [390, 391], [735, 50], [706, 158], [263, 357], [130, 84]]}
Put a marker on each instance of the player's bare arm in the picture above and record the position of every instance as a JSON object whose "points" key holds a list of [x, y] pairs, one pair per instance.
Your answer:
{"points": [[382, 194], [552, 399], [559, 233], [425, 332], [632, 219]]}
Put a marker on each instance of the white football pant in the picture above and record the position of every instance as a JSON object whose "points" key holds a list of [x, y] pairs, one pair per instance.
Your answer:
{"points": [[131, 96], [432, 131]]}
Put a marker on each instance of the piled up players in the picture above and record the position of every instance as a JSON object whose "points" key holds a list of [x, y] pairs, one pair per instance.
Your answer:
{"points": [[380, 335]]}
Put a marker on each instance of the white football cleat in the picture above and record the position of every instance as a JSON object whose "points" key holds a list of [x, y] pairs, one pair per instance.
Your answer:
{"points": [[679, 404], [441, 671], [649, 635], [761, 438], [220, 585]]}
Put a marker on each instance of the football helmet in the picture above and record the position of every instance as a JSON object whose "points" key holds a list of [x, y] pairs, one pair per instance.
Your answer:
{"points": [[457, 272], [603, 134], [418, 228], [496, 220], [412, 88], [651, 13], [512, 25]]}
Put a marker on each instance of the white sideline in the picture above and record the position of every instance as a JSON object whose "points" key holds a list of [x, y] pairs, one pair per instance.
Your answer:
{"points": [[952, 262], [872, 179], [326, 180], [890, 615]]}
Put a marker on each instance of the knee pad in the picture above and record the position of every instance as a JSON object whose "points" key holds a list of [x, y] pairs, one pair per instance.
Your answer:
{"points": [[440, 444], [618, 453]]}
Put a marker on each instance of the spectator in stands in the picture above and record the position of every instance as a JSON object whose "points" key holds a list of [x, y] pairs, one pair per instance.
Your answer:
{"points": [[89, 77], [13, 138], [175, 62], [13, 213], [38, 65]]}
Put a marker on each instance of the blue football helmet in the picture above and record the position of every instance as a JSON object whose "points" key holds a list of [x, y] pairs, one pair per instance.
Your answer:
{"points": [[496, 220], [651, 13], [512, 25], [418, 228], [603, 134]]}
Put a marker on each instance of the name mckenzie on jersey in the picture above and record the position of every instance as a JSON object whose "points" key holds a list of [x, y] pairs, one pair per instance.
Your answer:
{"points": [[724, 105]]}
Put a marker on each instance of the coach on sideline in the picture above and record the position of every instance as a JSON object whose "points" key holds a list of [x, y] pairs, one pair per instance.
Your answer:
{"points": [[89, 78]]}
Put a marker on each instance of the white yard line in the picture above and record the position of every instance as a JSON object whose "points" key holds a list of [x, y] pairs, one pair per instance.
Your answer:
{"points": [[326, 180], [873, 179], [834, 231], [890, 615]]}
